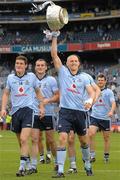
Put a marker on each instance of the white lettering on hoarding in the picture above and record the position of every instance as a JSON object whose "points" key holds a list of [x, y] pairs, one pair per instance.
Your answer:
{"points": [[4, 49], [104, 45], [35, 48]]}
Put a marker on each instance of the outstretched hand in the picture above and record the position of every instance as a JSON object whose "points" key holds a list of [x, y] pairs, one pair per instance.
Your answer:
{"points": [[88, 103], [42, 110], [49, 34], [3, 113]]}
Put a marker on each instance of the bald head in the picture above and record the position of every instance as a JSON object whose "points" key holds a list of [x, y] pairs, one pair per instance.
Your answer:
{"points": [[73, 56], [73, 63]]}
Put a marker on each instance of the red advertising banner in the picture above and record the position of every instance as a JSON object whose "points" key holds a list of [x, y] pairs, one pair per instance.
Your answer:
{"points": [[5, 49], [93, 46], [101, 45], [74, 47]]}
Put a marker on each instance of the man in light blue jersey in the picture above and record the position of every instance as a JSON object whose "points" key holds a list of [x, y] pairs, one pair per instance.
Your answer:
{"points": [[49, 88], [21, 86], [71, 137], [73, 86], [101, 114]]}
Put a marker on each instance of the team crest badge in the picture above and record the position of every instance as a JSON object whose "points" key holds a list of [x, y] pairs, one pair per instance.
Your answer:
{"points": [[27, 82]]}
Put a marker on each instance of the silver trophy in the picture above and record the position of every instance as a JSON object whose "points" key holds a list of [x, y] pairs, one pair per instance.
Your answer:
{"points": [[56, 16]]}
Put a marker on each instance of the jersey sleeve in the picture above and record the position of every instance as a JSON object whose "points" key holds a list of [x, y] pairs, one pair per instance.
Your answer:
{"points": [[8, 83], [92, 82], [62, 71], [35, 84], [86, 80], [112, 97], [54, 84]]}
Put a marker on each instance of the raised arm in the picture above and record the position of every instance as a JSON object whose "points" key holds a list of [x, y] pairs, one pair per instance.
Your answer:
{"points": [[56, 60]]}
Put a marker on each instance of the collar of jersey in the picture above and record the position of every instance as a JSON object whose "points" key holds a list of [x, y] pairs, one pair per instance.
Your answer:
{"points": [[20, 76], [42, 77], [78, 72], [104, 88]]}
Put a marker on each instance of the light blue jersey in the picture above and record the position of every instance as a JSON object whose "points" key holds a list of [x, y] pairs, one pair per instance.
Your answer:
{"points": [[48, 86], [22, 90], [72, 89], [103, 105]]}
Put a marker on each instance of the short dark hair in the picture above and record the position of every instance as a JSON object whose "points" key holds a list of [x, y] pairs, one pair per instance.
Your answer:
{"points": [[101, 75], [21, 57], [41, 60]]}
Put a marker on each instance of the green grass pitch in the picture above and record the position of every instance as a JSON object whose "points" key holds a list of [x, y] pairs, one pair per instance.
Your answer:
{"points": [[9, 161]]}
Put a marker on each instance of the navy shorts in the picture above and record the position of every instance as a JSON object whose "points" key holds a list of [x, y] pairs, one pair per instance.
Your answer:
{"points": [[104, 125], [43, 124], [23, 118], [72, 120]]}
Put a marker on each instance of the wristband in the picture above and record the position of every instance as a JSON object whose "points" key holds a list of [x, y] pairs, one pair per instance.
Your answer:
{"points": [[55, 33], [90, 101]]}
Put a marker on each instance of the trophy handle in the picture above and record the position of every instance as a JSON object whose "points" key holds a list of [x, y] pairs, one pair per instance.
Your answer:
{"points": [[38, 8]]}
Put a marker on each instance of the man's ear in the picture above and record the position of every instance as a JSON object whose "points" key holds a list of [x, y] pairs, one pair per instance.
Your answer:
{"points": [[46, 68], [66, 63], [26, 66]]}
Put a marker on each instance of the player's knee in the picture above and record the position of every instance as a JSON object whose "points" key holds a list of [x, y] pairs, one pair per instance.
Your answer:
{"points": [[35, 140], [63, 140], [106, 138], [91, 134], [70, 141], [23, 141], [51, 141]]}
